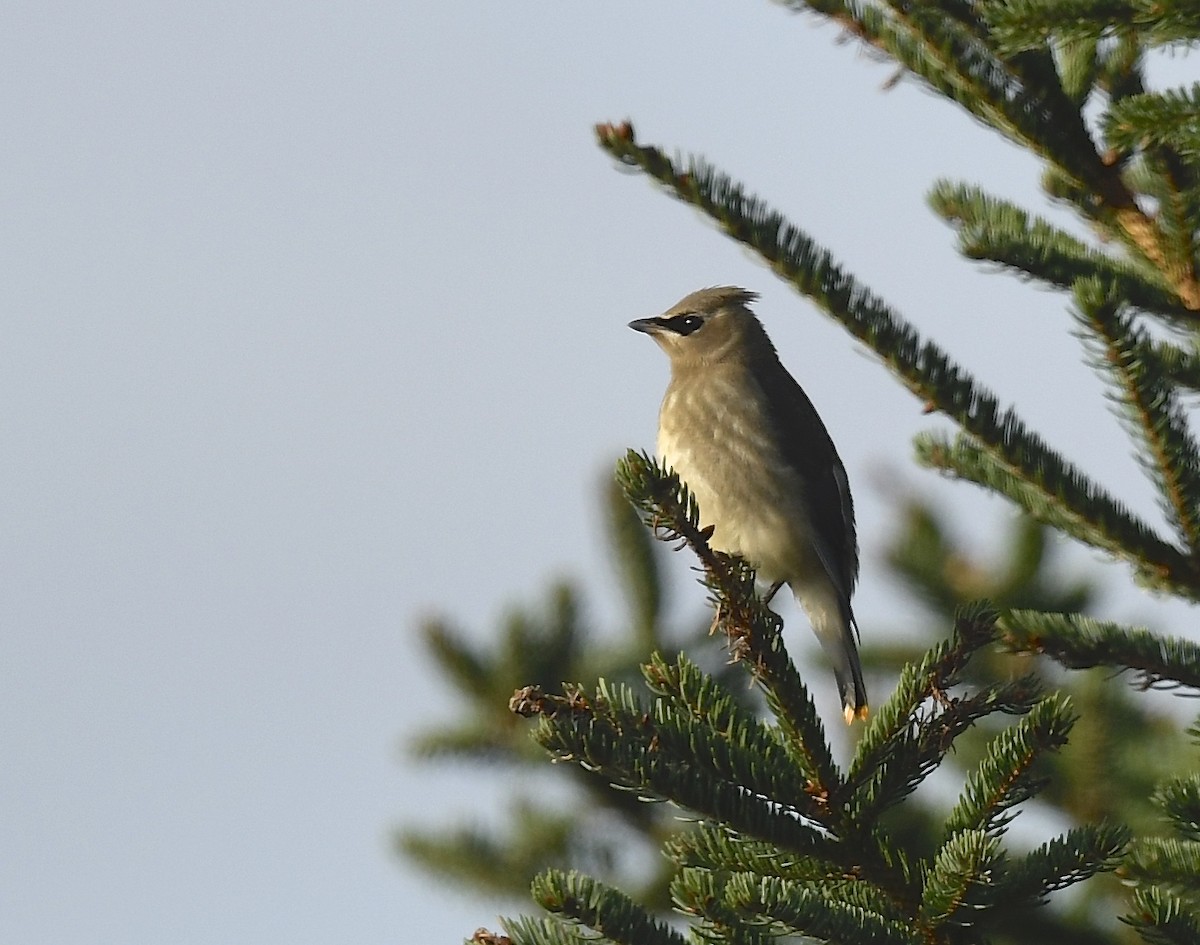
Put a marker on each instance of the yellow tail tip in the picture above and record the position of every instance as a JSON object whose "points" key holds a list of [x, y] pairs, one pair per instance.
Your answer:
{"points": [[854, 713]]}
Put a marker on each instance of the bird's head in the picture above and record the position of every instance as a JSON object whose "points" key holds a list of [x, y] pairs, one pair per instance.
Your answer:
{"points": [[706, 327]]}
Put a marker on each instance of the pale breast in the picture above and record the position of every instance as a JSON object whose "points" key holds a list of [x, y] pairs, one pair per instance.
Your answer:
{"points": [[719, 441]]}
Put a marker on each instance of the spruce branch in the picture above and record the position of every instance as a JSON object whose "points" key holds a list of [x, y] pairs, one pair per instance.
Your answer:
{"points": [[527, 930], [1120, 68], [930, 678], [1180, 801], [1180, 366], [1029, 24], [1080, 642], [1170, 185], [1080, 67], [714, 847], [465, 667], [958, 879], [971, 66], [693, 694], [661, 756], [1163, 918], [859, 893], [608, 911], [1154, 416], [1150, 121], [809, 910], [1078, 855], [1061, 497], [997, 230], [751, 628], [1039, 475], [701, 893], [916, 752], [1165, 871], [698, 719], [1165, 860], [1004, 777], [487, 860], [949, 48]]}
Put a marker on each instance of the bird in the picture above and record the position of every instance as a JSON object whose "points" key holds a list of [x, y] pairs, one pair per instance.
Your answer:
{"points": [[743, 436]]}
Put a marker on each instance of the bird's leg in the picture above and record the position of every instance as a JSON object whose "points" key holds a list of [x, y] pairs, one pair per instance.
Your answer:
{"points": [[773, 591]]}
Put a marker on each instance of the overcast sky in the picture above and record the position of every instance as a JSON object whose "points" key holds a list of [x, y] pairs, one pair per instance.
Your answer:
{"points": [[314, 323]]}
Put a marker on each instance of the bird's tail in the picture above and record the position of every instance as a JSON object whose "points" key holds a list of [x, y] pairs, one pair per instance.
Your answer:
{"points": [[837, 631], [832, 621], [847, 670]]}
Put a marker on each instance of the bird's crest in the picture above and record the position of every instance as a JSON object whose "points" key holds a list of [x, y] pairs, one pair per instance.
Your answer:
{"points": [[713, 298]]}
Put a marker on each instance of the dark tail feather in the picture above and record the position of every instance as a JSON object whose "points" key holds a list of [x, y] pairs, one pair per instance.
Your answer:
{"points": [[853, 689], [854, 692]]}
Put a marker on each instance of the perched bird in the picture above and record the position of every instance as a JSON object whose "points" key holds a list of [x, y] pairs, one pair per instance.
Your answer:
{"points": [[738, 429]]}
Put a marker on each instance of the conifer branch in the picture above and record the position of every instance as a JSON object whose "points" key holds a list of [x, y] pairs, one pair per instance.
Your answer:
{"points": [[1165, 860], [948, 46], [1179, 366], [1079, 642], [1078, 855], [614, 737], [1004, 776], [1029, 107], [881, 886], [1172, 457], [959, 878], [696, 717], [860, 894], [713, 847], [916, 752], [1061, 497], [526, 930], [1168, 119], [1097, 186], [698, 696], [1029, 24], [1166, 870], [1120, 70], [701, 893], [930, 678], [1086, 202], [1180, 801], [999, 231], [454, 656], [608, 911], [806, 910], [752, 629], [1163, 918], [1170, 186], [1080, 67]]}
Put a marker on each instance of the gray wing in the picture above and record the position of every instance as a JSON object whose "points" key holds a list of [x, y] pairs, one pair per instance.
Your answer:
{"points": [[808, 448]]}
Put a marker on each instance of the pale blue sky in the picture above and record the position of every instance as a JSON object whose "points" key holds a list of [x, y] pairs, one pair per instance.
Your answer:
{"points": [[314, 322]]}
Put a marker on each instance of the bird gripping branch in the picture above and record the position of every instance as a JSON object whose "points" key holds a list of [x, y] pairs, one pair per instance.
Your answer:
{"points": [[744, 436]]}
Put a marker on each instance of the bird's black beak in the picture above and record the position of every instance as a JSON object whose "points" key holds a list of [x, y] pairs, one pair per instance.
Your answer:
{"points": [[651, 326]]}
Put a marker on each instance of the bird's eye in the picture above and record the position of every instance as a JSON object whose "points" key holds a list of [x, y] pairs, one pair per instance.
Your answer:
{"points": [[684, 324]]}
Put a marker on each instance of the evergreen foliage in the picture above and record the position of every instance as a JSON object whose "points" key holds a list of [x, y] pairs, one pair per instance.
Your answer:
{"points": [[781, 841], [821, 862]]}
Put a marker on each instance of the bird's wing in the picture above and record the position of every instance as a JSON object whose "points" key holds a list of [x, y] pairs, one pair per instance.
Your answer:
{"points": [[807, 447]]}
